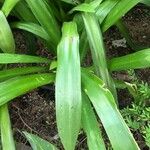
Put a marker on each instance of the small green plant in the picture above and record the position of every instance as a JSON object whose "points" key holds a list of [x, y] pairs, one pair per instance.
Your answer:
{"points": [[137, 116], [68, 29]]}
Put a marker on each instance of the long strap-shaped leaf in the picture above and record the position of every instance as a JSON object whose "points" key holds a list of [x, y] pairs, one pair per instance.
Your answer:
{"points": [[8, 6], [91, 126], [23, 12], [104, 9], [37, 143], [97, 49], [68, 86], [7, 43], [14, 87], [122, 7], [17, 58], [33, 28], [45, 18], [137, 60], [103, 102], [10, 73], [5, 127]]}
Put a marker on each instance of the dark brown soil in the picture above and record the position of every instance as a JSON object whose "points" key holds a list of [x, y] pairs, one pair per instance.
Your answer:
{"points": [[35, 112]]}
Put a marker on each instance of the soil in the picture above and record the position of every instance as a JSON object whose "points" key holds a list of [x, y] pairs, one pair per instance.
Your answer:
{"points": [[35, 111]]}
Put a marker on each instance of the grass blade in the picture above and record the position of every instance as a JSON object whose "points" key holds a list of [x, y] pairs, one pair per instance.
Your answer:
{"points": [[6, 132], [68, 86], [17, 58], [104, 104], [14, 87], [91, 126], [37, 143], [137, 60], [7, 43]]}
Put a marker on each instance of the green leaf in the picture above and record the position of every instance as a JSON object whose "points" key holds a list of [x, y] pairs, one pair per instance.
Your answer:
{"points": [[104, 9], [68, 86], [7, 43], [17, 58], [17, 86], [91, 126], [83, 7], [33, 28], [10, 73], [137, 60], [87, 7], [73, 2], [6, 132], [104, 104], [27, 15], [95, 39], [122, 7], [37, 143], [146, 2], [46, 18], [8, 6]]}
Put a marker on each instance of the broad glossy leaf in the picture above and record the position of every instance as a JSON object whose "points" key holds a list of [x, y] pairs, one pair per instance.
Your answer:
{"points": [[68, 86], [104, 104], [10, 73], [5, 127], [17, 58], [17, 86], [38, 143], [91, 126], [137, 60], [122, 7], [7, 43], [46, 18], [8, 6]]}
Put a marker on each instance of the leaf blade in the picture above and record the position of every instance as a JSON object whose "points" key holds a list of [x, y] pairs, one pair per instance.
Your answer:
{"points": [[68, 86], [14, 87], [104, 104]]}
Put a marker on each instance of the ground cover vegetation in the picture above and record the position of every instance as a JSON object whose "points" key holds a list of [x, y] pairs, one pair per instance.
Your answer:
{"points": [[85, 96]]}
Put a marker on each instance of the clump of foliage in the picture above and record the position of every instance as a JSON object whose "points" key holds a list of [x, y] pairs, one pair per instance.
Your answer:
{"points": [[68, 28], [137, 115]]}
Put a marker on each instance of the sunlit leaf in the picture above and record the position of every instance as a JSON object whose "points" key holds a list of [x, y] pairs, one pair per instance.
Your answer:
{"points": [[68, 86]]}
